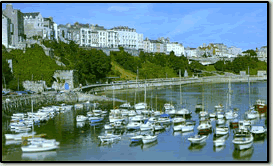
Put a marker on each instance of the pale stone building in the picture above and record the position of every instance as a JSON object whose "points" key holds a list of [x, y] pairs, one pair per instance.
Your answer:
{"points": [[66, 80], [17, 25], [34, 24], [6, 31]]}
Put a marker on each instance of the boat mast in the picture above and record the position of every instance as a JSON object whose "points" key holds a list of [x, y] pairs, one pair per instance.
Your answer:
{"points": [[32, 118], [248, 89], [229, 94], [180, 87], [113, 96], [145, 92], [136, 85]]}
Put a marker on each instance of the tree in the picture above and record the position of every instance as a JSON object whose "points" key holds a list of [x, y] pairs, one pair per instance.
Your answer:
{"points": [[251, 53]]}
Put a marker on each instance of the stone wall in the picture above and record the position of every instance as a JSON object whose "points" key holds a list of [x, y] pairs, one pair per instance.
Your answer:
{"points": [[63, 77], [261, 73], [37, 86]]}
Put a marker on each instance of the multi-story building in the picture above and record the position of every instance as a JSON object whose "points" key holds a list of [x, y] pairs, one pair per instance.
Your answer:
{"points": [[140, 44], [112, 39], [234, 50], [6, 31], [17, 21], [48, 28], [128, 38], [55, 27], [190, 52], [34, 24], [148, 46]]}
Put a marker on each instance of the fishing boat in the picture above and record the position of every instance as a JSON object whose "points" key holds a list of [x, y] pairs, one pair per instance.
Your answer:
{"points": [[81, 118], [197, 139], [148, 139]]}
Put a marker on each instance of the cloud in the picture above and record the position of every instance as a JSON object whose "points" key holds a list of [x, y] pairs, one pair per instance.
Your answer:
{"points": [[118, 8]]}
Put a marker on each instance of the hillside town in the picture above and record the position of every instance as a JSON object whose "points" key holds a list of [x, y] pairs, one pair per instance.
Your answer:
{"points": [[21, 29]]}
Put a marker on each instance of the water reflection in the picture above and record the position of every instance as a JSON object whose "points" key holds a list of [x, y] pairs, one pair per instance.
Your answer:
{"points": [[39, 156], [80, 124], [134, 144], [147, 146], [197, 147], [218, 148], [243, 154], [187, 133]]}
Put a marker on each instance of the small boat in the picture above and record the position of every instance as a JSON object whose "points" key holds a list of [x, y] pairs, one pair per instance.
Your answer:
{"points": [[190, 122], [203, 113], [81, 118], [109, 138], [95, 119], [252, 114], [133, 125], [132, 113], [148, 139], [221, 131], [158, 126], [230, 115], [90, 113], [260, 106], [109, 126], [184, 112], [258, 130], [13, 136], [220, 121], [39, 147], [212, 115], [197, 139], [119, 125], [140, 106], [164, 118], [137, 138], [204, 126], [187, 128], [125, 105], [146, 126], [242, 138]]}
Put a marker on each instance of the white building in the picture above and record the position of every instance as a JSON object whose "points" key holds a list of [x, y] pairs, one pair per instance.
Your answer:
{"points": [[234, 50], [6, 31], [140, 43], [190, 52], [177, 48], [128, 38], [55, 27]]}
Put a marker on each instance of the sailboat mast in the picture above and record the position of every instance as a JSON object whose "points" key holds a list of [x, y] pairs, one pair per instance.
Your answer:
{"points": [[113, 96], [145, 92], [32, 118], [229, 94], [156, 102], [180, 86], [248, 88]]}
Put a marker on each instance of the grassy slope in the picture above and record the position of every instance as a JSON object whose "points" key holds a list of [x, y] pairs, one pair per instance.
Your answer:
{"points": [[125, 74]]}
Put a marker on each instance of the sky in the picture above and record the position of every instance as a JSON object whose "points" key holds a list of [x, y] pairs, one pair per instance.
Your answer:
{"points": [[243, 25]]}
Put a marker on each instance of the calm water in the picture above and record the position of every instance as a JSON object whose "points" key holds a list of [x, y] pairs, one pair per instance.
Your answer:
{"points": [[79, 142]]}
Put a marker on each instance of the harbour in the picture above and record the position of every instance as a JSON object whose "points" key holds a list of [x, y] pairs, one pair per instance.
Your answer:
{"points": [[79, 141]]}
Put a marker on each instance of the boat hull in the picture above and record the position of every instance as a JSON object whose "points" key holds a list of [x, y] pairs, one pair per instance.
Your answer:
{"points": [[39, 149]]}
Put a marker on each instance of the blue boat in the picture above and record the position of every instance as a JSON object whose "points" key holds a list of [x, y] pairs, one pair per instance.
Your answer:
{"points": [[95, 119]]}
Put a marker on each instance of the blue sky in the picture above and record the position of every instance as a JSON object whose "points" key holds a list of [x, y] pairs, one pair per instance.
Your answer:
{"points": [[243, 25]]}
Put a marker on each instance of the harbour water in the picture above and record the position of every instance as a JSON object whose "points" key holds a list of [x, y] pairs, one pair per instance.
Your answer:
{"points": [[79, 141]]}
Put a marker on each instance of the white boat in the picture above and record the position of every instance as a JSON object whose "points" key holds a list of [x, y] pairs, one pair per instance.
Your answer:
{"points": [[137, 118], [137, 138], [81, 118], [242, 140], [220, 122], [158, 127], [39, 147], [118, 124], [156, 113], [147, 126], [109, 138], [80, 124], [258, 130], [203, 113], [219, 142], [164, 118], [89, 114], [125, 105], [198, 107], [221, 130], [204, 126], [140, 106], [187, 128], [148, 139], [109, 126], [252, 114], [184, 112], [197, 139], [132, 113], [220, 115], [212, 115], [133, 125], [16, 136], [230, 115], [178, 127], [178, 120]]}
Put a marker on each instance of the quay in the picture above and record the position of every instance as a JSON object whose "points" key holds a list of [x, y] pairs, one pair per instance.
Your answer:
{"points": [[21, 103]]}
